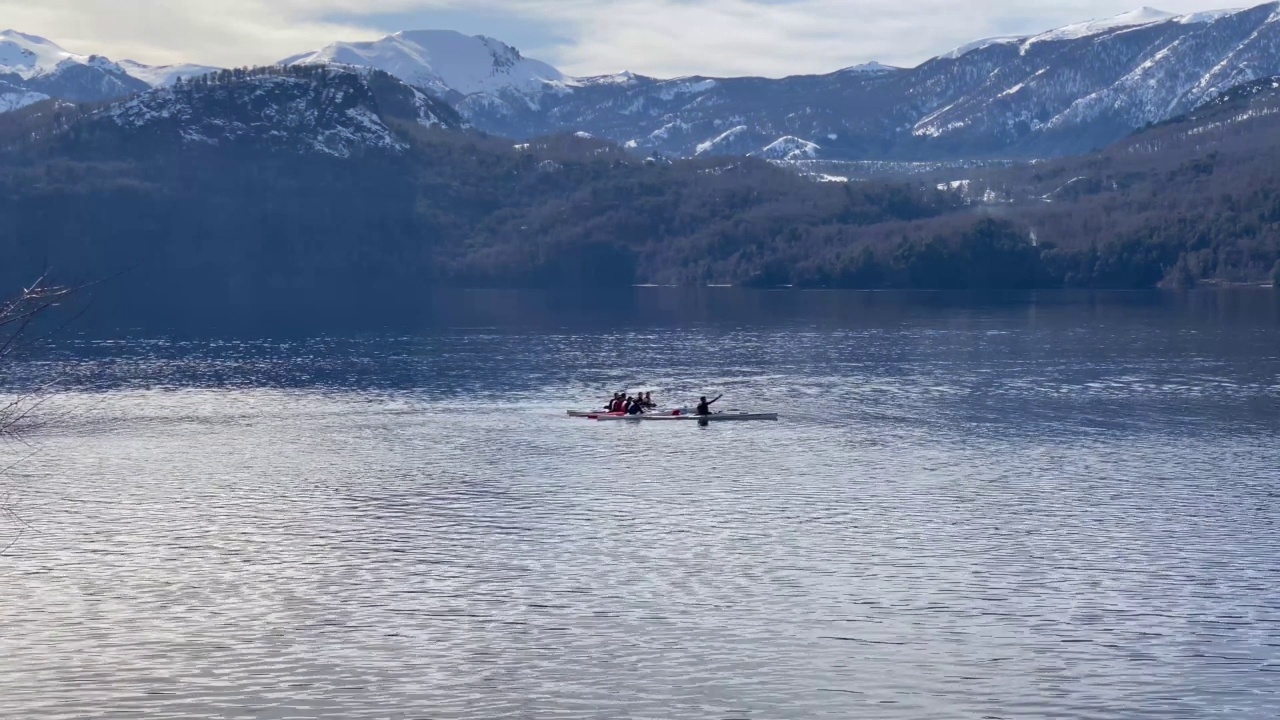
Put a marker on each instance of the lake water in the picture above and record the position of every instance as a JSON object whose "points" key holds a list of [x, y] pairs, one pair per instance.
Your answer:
{"points": [[1048, 506]]}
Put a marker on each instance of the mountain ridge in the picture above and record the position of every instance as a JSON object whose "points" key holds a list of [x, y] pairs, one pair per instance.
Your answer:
{"points": [[200, 184], [1062, 91]]}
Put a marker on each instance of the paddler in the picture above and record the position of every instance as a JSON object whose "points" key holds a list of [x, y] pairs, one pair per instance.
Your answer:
{"points": [[704, 405], [648, 401]]}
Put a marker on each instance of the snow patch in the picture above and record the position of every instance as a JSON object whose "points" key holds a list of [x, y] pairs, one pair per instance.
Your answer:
{"points": [[981, 45], [18, 100], [622, 78], [1136, 18], [870, 68], [280, 110], [164, 75], [720, 140], [789, 148], [673, 88], [664, 132]]}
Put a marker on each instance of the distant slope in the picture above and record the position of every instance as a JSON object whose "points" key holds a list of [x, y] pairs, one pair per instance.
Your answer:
{"points": [[33, 69], [311, 185], [1061, 92], [300, 109], [1198, 196], [1064, 91], [164, 75]]}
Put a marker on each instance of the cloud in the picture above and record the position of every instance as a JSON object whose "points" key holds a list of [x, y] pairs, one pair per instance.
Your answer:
{"points": [[586, 37]]}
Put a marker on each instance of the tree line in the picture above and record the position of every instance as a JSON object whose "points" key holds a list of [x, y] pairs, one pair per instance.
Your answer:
{"points": [[460, 208]]}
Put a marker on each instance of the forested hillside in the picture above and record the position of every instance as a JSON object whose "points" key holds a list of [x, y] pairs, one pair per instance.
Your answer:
{"points": [[302, 184], [1192, 200]]}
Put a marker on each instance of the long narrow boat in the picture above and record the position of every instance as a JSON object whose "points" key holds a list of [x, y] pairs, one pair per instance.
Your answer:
{"points": [[717, 417], [598, 413]]}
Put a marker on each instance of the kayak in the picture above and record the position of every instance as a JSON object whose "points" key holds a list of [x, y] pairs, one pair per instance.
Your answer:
{"points": [[717, 417], [598, 413]]}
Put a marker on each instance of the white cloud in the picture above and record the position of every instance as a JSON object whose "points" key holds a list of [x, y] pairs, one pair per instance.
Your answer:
{"points": [[656, 37]]}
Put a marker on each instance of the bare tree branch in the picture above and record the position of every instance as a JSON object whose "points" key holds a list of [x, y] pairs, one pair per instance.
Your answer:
{"points": [[18, 318]]}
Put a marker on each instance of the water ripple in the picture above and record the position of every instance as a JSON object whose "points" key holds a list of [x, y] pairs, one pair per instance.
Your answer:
{"points": [[948, 523]]}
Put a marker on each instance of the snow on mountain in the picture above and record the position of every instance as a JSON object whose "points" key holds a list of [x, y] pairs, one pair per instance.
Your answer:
{"points": [[444, 62], [324, 110], [164, 75], [871, 68], [981, 45], [1136, 18], [1061, 91], [1095, 81], [724, 142], [27, 55], [16, 100], [789, 149], [38, 69], [622, 78], [1077, 31]]}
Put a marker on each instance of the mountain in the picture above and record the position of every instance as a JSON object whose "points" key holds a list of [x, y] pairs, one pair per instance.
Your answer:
{"points": [[33, 69], [449, 64], [1064, 91], [1061, 92], [313, 109], [314, 186], [164, 75]]}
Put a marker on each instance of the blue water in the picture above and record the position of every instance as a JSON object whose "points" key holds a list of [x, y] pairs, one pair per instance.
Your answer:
{"points": [[1022, 506]]}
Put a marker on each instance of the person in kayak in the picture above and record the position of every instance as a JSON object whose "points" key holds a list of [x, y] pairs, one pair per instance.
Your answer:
{"points": [[636, 407], [648, 401], [704, 405]]}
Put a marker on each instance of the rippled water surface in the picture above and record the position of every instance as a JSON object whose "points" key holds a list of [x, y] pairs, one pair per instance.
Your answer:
{"points": [[1052, 507]]}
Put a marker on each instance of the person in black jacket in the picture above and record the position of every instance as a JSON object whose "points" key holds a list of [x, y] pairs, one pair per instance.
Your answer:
{"points": [[704, 405]]}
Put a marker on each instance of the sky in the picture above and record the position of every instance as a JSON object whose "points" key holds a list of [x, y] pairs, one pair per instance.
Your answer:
{"points": [[663, 38]]}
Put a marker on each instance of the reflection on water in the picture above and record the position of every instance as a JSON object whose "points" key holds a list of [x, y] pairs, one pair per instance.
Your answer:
{"points": [[1013, 509]]}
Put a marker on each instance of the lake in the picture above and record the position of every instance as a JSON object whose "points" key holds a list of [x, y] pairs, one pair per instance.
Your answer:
{"points": [[1016, 506]]}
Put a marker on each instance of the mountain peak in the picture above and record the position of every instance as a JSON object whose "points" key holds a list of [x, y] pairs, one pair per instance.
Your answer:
{"points": [[872, 67], [443, 61], [29, 55], [1131, 19], [300, 109], [34, 39]]}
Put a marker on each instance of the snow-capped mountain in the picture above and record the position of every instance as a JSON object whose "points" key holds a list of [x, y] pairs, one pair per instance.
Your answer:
{"points": [[28, 56], [33, 69], [305, 110], [1065, 90], [1062, 91], [446, 63], [164, 75]]}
